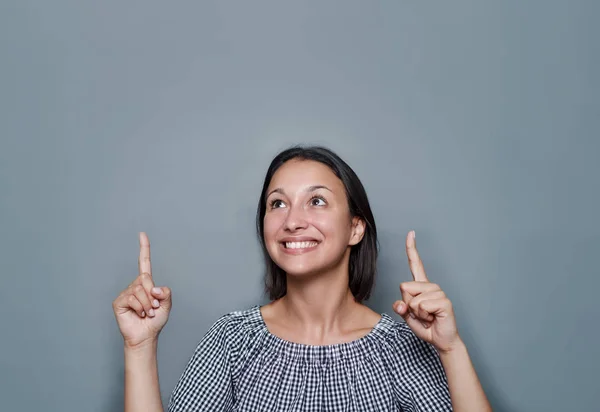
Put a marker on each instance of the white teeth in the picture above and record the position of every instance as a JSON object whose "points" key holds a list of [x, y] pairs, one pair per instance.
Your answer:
{"points": [[299, 245]]}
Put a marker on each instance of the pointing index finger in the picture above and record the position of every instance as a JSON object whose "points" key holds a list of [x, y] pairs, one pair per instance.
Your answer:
{"points": [[144, 263], [414, 260]]}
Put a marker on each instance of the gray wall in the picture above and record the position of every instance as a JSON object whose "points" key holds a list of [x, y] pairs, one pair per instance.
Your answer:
{"points": [[474, 123]]}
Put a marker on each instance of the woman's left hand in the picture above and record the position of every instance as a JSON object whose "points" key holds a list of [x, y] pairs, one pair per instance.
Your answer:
{"points": [[425, 307]]}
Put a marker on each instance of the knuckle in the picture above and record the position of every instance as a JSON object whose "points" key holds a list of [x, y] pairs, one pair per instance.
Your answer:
{"points": [[138, 288]]}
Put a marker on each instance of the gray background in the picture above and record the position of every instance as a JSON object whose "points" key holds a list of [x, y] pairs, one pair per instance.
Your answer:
{"points": [[474, 123]]}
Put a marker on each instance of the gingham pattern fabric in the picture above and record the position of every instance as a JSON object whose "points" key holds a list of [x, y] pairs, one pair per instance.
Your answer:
{"points": [[240, 366]]}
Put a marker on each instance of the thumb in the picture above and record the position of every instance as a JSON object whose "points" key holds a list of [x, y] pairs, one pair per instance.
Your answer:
{"points": [[163, 295], [401, 308]]}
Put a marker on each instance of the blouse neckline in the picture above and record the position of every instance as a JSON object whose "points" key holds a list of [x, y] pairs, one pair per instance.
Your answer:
{"points": [[360, 347]]}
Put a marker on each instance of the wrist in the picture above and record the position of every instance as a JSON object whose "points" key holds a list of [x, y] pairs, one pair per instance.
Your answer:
{"points": [[149, 345], [457, 348]]}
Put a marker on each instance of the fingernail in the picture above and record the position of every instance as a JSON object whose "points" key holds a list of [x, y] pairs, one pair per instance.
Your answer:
{"points": [[155, 303], [414, 234], [157, 290], [151, 312], [411, 315], [143, 314]]}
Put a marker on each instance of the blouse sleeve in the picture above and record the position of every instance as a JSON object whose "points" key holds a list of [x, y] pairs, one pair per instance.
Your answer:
{"points": [[421, 383], [206, 384]]}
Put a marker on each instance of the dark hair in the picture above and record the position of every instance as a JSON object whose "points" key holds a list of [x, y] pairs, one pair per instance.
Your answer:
{"points": [[363, 256]]}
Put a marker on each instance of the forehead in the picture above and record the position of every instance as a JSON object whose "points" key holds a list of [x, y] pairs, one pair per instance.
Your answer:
{"points": [[302, 173]]}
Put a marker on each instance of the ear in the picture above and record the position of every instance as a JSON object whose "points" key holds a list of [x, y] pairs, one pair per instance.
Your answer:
{"points": [[358, 231]]}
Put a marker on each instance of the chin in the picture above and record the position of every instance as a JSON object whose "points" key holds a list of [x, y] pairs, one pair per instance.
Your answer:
{"points": [[300, 270]]}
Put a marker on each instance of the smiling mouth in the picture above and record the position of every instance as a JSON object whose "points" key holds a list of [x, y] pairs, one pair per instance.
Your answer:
{"points": [[300, 245]]}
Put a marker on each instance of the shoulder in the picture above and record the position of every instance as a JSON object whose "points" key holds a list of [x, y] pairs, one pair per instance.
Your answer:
{"points": [[232, 328], [206, 382], [398, 339], [395, 328], [391, 329]]}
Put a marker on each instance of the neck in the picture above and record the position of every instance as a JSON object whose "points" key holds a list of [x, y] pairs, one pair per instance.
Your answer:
{"points": [[320, 304]]}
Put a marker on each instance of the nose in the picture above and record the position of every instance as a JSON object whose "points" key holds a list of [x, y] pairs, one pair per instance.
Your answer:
{"points": [[295, 220]]}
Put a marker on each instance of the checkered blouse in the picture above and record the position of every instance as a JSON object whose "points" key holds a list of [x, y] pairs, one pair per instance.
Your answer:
{"points": [[240, 366]]}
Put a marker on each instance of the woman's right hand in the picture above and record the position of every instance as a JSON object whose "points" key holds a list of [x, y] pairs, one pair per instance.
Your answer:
{"points": [[142, 310]]}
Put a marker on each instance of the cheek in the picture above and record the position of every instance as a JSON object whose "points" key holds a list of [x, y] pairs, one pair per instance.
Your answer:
{"points": [[333, 227], [271, 224]]}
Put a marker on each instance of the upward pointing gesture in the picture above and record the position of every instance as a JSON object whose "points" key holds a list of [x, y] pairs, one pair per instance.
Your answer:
{"points": [[424, 306], [142, 309], [144, 263]]}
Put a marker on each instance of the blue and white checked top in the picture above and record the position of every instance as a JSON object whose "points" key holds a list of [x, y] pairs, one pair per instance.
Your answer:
{"points": [[240, 366]]}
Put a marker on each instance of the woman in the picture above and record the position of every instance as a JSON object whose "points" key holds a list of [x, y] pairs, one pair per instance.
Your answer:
{"points": [[315, 346]]}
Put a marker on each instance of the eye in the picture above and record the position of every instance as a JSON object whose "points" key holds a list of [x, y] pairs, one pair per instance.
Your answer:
{"points": [[317, 201], [276, 203]]}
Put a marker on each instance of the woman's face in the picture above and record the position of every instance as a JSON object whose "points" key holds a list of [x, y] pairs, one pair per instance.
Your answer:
{"points": [[307, 224]]}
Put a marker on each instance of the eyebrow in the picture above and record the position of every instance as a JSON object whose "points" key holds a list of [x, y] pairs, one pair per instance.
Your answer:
{"points": [[308, 189]]}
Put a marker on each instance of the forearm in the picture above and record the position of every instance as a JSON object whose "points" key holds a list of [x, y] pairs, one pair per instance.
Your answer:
{"points": [[465, 389], [142, 390]]}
